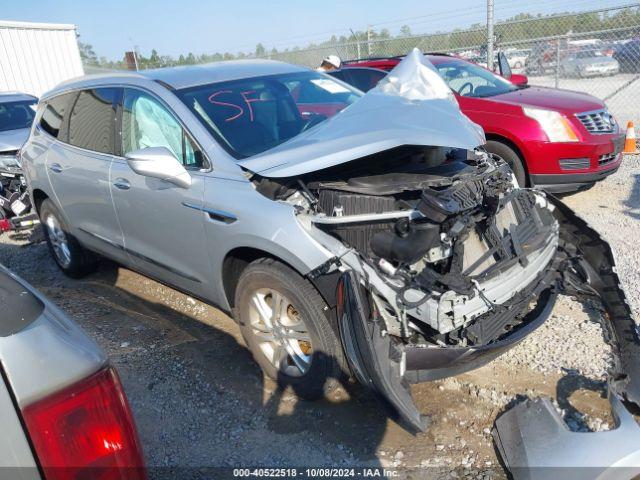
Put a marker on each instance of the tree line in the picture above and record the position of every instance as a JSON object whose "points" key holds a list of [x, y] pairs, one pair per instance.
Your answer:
{"points": [[518, 29]]}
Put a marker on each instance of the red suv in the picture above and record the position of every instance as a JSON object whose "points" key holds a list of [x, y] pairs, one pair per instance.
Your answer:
{"points": [[554, 139]]}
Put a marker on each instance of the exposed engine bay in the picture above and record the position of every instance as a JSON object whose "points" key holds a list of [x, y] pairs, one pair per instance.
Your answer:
{"points": [[438, 261], [451, 252]]}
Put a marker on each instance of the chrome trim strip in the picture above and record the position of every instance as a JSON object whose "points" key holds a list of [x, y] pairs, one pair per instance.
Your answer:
{"points": [[104, 239], [162, 265], [140, 256], [215, 215], [366, 217]]}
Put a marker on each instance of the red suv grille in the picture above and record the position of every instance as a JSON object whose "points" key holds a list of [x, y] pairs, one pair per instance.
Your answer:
{"points": [[597, 122]]}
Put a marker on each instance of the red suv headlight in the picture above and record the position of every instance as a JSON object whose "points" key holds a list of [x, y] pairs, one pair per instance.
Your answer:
{"points": [[86, 431]]}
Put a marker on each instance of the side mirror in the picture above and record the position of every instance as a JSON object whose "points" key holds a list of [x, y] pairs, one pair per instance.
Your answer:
{"points": [[159, 162], [519, 80], [503, 66]]}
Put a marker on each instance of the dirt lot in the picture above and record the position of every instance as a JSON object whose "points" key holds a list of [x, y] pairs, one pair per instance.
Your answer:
{"points": [[199, 399]]}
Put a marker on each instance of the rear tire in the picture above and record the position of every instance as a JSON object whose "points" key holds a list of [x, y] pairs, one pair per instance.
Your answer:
{"points": [[311, 363], [510, 156], [71, 257]]}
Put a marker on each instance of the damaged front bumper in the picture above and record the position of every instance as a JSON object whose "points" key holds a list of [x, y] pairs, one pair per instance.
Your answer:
{"points": [[535, 443], [583, 266], [532, 439]]}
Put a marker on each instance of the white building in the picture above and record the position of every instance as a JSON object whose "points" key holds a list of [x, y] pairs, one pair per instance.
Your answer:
{"points": [[34, 57]]}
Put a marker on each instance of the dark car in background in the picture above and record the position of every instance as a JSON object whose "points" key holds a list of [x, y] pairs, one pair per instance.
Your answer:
{"points": [[628, 56], [555, 139], [63, 411]]}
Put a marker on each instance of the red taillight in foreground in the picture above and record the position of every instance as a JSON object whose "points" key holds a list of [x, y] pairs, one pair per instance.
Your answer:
{"points": [[86, 431]]}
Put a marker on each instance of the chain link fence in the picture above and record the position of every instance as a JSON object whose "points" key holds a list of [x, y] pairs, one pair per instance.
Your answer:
{"points": [[596, 52]]}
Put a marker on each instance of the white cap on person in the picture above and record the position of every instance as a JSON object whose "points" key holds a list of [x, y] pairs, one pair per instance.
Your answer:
{"points": [[333, 60]]}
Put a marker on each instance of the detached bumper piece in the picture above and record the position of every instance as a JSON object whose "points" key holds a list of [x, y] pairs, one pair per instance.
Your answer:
{"points": [[535, 443], [593, 274], [532, 439]]}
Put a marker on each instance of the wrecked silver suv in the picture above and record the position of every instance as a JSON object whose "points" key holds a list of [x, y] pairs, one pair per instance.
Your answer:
{"points": [[347, 233]]}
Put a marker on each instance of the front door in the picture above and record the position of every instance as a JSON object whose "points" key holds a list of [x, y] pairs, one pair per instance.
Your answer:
{"points": [[163, 227], [79, 164]]}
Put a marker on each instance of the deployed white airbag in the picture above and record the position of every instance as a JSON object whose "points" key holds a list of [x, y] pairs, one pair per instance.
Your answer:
{"points": [[411, 106]]}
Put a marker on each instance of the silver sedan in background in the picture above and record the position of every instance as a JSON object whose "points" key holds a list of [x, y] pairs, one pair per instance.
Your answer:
{"points": [[589, 62]]}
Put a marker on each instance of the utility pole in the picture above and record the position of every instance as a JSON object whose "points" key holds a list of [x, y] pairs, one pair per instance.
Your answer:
{"points": [[369, 41], [490, 34], [357, 43], [135, 57], [557, 83]]}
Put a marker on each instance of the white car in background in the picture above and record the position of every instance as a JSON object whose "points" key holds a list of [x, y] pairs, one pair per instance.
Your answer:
{"points": [[517, 58]]}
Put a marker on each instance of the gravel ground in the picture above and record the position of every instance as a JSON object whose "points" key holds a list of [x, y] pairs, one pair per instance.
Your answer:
{"points": [[199, 399]]}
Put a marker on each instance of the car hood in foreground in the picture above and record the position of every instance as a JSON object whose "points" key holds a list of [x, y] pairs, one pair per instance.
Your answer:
{"points": [[411, 106], [566, 101], [11, 140]]}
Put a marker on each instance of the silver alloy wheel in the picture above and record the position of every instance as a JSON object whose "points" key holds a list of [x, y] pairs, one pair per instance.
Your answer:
{"points": [[58, 240], [281, 333]]}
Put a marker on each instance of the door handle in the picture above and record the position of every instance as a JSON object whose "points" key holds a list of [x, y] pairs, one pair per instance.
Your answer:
{"points": [[56, 167], [122, 184]]}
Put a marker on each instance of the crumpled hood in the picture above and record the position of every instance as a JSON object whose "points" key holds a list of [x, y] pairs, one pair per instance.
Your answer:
{"points": [[13, 139], [411, 106]]}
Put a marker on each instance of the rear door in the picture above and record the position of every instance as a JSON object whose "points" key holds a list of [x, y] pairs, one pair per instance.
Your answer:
{"points": [[78, 164], [163, 224], [364, 78]]}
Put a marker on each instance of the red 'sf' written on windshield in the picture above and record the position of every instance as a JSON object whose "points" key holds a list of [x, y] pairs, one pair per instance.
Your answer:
{"points": [[242, 105]]}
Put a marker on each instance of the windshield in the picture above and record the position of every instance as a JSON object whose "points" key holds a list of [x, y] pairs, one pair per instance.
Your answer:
{"points": [[16, 115], [471, 80], [251, 115]]}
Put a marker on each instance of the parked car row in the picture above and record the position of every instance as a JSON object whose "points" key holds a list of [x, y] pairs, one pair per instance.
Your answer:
{"points": [[577, 58]]}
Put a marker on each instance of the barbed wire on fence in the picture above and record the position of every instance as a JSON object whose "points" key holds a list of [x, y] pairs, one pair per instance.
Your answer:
{"points": [[594, 51]]}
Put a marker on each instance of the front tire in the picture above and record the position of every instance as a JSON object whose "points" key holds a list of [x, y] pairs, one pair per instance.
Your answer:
{"points": [[283, 320], [71, 257], [511, 157]]}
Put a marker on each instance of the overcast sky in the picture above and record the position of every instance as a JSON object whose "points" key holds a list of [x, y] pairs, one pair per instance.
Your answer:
{"points": [[181, 26]]}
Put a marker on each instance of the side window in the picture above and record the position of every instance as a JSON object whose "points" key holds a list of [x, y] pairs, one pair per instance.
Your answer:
{"points": [[339, 74], [92, 120], [147, 123], [53, 115], [364, 79]]}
